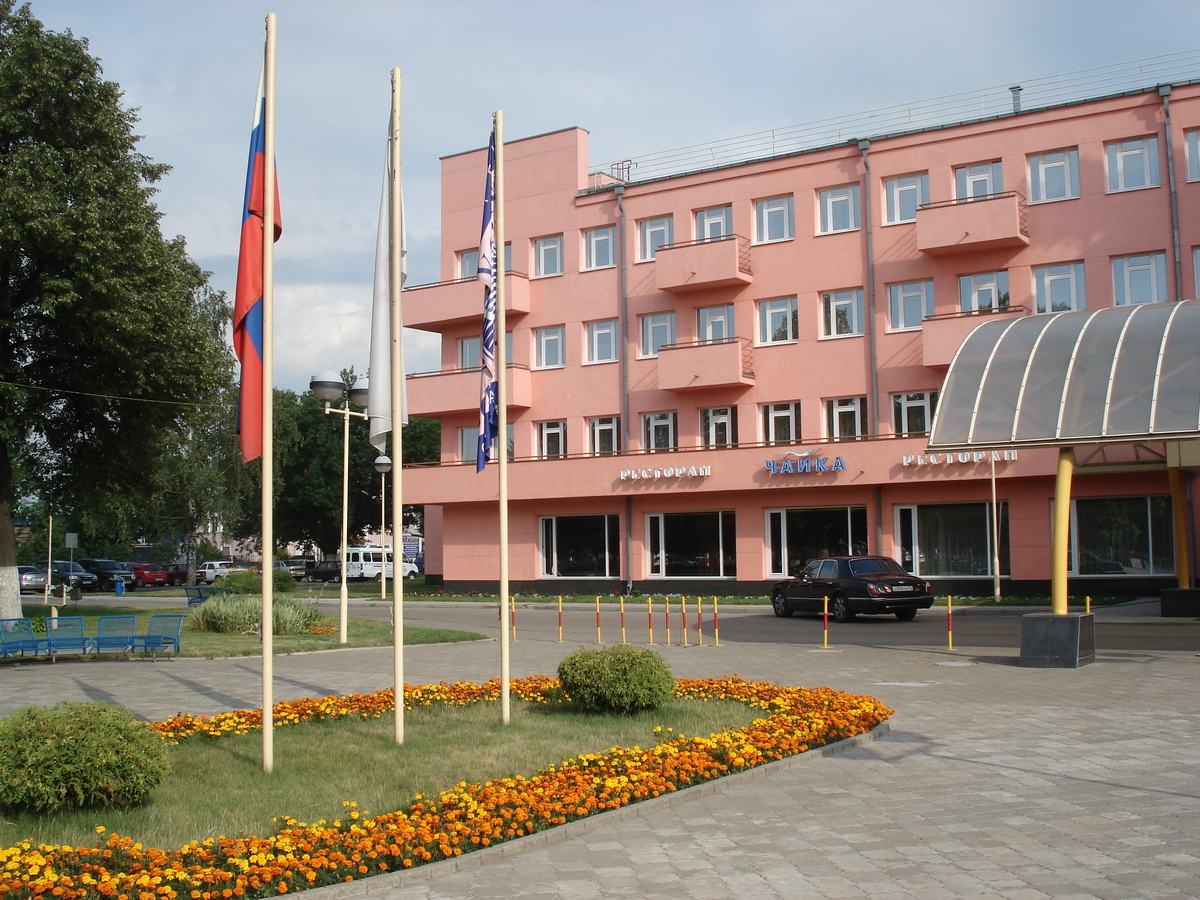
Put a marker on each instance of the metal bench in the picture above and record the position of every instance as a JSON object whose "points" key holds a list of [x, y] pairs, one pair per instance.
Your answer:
{"points": [[201, 592], [17, 638], [114, 634], [162, 634], [65, 634]]}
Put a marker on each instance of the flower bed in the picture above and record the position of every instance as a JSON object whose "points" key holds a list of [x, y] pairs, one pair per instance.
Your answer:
{"points": [[464, 818]]}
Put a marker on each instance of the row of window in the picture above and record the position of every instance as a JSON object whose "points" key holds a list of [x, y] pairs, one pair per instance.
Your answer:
{"points": [[933, 540], [779, 423], [1131, 164]]}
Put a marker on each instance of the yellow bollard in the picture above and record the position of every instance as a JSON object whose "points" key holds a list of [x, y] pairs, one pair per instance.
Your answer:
{"points": [[667, 617], [622, 618], [949, 622], [683, 619], [598, 641], [825, 619], [699, 621], [716, 626], [560, 618], [1087, 604], [650, 618]]}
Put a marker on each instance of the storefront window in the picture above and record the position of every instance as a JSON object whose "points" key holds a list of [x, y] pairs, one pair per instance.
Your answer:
{"points": [[1123, 536], [683, 545], [951, 539], [581, 547], [798, 535]]}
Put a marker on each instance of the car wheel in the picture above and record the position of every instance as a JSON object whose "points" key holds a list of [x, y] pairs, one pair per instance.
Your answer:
{"points": [[411, 576], [779, 605], [906, 615], [138, 583], [841, 612], [337, 579]]}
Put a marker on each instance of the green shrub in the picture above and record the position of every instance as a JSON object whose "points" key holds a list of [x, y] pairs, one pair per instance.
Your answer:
{"points": [[78, 755], [240, 615], [251, 582], [619, 679]]}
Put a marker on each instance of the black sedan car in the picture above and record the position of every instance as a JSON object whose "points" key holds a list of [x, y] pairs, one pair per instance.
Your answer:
{"points": [[873, 585]]}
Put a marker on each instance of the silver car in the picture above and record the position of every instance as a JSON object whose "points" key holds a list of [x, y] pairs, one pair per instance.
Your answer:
{"points": [[33, 579]]}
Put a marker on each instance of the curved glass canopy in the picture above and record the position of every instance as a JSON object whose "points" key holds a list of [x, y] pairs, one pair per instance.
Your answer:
{"points": [[1112, 376]]}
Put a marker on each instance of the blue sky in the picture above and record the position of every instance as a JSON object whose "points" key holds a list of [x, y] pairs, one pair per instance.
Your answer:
{"points": [[641, 77]]}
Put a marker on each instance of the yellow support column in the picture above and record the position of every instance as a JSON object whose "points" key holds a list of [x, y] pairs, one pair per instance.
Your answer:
{"points": [[1060, 542], [1183, 563]]}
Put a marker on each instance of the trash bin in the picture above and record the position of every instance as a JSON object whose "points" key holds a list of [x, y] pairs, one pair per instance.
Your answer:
{"points": [[118, 586]]}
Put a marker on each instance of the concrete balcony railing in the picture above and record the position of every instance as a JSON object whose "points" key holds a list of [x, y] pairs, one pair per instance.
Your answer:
{"points": [[965, 226], [942, 335], [703, 264], [706, 364], [433, 307], [435, 394]]}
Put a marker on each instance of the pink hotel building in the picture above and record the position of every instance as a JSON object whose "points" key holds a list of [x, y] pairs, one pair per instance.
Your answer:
{"points": [[718, 373]]}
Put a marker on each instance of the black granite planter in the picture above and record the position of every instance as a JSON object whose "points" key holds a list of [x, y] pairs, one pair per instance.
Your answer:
{"points": [[1180, 603], [1049, 641]]}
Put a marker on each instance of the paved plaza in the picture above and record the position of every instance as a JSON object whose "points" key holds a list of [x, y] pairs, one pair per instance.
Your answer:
{"points": [[991, 780]]}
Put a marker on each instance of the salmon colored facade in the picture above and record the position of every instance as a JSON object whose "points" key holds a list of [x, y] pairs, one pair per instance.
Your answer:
{"points": [[718, 374]]}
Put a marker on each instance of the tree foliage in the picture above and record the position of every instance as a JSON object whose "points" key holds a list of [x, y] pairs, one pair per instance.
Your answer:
{"points": [[107, 360]]}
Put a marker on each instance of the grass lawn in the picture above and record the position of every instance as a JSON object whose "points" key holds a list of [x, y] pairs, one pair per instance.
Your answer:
{"points": [[217, 786]]}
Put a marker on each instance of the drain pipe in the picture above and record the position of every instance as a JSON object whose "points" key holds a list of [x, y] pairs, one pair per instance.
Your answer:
{"points": [[623, 314], [1164, 91], [869, 323]]}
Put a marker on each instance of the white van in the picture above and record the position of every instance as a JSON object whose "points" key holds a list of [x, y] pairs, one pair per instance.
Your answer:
{"points": [[370, 563]]}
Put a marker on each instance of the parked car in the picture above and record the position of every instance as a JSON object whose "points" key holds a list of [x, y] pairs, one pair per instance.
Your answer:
{"points": [[108, 572], [214, 570], [299, 565], [33, 579], [148, 573], [875, 585], [176, 573], [72, 574]]}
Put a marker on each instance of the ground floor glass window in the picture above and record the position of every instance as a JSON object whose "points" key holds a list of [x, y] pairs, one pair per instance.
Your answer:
{"points": [[951, 538], [1123, 536], [682, 545], [581, 546], [797, 535]]}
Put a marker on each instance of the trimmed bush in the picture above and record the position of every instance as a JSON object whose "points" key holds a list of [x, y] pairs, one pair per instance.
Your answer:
{"points": [[620, 679], [251, 582], [76, 756], [240, 615]]}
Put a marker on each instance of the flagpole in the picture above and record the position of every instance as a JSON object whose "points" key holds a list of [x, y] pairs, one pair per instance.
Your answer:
{"points": [[268, 430], [502, 415], [395, 286]]}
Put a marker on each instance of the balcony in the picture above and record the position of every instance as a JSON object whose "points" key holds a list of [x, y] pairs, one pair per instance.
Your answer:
{"points": [[964, 226], [706, 364], [435, 394], [434, 307], [704, 264], [941, 336]]}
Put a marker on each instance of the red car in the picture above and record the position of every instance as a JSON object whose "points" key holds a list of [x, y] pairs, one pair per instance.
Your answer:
{"points": [[148, 573]]}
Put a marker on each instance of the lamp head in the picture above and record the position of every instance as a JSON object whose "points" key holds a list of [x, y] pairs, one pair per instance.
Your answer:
{"points": [[327, 386]]}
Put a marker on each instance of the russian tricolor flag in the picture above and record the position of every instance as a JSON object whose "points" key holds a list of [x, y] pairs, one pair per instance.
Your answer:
{"points": [[248, 302]]}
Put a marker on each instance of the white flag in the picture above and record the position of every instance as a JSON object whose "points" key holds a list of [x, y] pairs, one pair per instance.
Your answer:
{"points": [[379, 396]]}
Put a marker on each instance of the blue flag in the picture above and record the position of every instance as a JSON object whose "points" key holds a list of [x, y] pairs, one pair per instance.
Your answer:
{"points": [[489, 413]]}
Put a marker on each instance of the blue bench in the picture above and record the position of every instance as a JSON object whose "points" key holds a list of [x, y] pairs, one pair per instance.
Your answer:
{"points": [[114, 634], [17, 638], [162, 634], [201, 592], [65, 635]]}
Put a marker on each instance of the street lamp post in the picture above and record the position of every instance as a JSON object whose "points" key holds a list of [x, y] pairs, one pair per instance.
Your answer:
{"points": [[383, 465], [329, 387]]}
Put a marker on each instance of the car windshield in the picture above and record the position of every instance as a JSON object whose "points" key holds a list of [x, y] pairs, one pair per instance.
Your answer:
{"points": [[872, 565]]}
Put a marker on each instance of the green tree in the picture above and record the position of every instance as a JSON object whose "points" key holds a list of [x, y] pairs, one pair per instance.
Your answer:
{"points": [[103, 361]]}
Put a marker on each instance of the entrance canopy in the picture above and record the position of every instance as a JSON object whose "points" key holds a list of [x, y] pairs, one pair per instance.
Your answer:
{"points": [[1113, 376]]}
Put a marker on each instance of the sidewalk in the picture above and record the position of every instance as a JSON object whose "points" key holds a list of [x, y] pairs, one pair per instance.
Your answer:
{"points": [[993, 780]]}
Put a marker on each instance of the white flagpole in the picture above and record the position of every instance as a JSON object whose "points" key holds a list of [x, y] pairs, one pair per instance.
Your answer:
{"points": [[502, 417], [268, 423], [395, 263]]}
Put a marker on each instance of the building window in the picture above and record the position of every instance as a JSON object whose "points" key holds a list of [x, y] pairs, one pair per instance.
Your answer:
{"points": [[1054, 176], [654, 233], [774, 220], [778, 321], [548, 347], [714, 223], [551, 439], [839, 209], [581, 546], [468, 353], [548, 256], [1132, 164], [714, 323], [658, 431], [604, 435], [980, 180], [781, 423], [658, 330], [794, 536], [909, 304], [1123, 536], [468, 443], [985, 291], [1193, 154], [1059, 288], [952, 539], [904, 195], [602, 341], [1139, 279], [845, 418], [843, 313], [600, 248], [468, 263], [691, 545], [718, 427], [913, 412]]}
